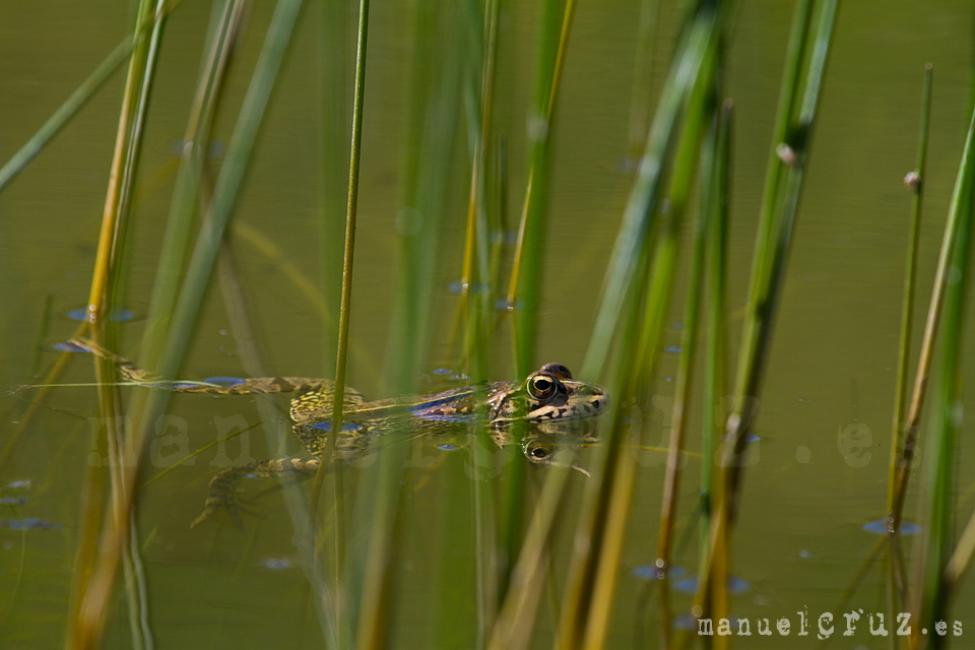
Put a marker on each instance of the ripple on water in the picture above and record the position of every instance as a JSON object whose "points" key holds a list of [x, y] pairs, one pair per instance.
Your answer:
{"points": [[457, 287], [277, 563], [119, 315], [28, 523], [447, 447], [879, 527], [649, 572]]}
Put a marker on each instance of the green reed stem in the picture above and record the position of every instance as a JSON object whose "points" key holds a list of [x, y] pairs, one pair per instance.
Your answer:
{"points": [[912, 421], [335, 56], [352, 203], [94, 605], [632, 242], [915, 182], [776, 226], [685, 374], [961, 558], [475, 265], [186, 191], [716, 170], [476, 307], [796, 115], [618, 491], [524, 288], [641, 208], [121, 177], [434, 100], [81, 632], [526, 271], [516, 619], [345, 309], [642, 74], [276, 429], [940, 456]]}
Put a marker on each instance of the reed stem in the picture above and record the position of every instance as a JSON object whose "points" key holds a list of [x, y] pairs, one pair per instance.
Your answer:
{"points": [[525, 281], [89, 624], [352, 203], [915, 182], [934, 592]]}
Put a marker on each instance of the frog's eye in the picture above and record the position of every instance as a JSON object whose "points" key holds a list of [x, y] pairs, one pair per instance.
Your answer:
{"points": [[539, 453], [541, 386]]}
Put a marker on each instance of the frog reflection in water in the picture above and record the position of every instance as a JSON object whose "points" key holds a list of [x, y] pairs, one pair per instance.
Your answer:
{"points": [[550, 403]]}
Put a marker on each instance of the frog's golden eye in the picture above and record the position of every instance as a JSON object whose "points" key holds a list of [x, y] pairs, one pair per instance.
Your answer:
{"points": [[542, 386]]}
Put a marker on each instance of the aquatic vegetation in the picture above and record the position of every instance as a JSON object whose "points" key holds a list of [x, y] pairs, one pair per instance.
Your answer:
{"points": [[431, 232]]}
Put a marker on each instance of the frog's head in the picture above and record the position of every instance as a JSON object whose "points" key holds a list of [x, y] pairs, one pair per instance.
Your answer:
{"points": [[548, 394]]}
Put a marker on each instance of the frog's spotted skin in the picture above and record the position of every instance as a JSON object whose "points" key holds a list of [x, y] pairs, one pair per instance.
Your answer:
{"points": [[550, 400]]}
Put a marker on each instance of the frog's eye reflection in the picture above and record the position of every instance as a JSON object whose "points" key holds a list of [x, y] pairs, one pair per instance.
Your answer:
{"points": [[541, 386]]}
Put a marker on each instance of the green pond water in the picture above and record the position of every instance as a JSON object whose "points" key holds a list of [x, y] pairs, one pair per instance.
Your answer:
{"points": [[818, 471]]}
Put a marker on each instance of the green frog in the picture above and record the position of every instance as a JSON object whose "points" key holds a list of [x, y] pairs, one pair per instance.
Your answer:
{"points": [[550, 401]]}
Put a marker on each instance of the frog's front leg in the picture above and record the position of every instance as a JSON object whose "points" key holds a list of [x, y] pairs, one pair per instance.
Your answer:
{"points": [[223, 486]]}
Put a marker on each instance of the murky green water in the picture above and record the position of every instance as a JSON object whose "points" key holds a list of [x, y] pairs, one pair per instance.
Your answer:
{"points": [[820, 464]]}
